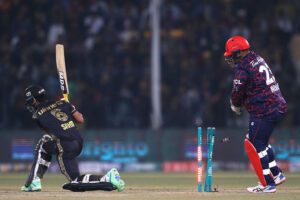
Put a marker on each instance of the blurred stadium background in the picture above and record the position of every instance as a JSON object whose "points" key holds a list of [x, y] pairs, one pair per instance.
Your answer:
{"points": [[143, 96]]}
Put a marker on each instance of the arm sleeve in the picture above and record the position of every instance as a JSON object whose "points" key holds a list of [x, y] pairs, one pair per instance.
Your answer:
{"points": [[238, 92], [71, 108]]}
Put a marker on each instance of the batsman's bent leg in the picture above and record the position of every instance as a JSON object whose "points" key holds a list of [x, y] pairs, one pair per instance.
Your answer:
{"points": [[255, 161], [87, 182], [41, 162]]}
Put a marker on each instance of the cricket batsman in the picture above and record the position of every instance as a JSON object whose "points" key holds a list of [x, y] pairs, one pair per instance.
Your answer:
{"points": [[255, 87], [63, 140]]}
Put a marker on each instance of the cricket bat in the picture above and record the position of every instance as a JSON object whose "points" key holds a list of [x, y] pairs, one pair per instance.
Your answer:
{"points": [[61, 70]]}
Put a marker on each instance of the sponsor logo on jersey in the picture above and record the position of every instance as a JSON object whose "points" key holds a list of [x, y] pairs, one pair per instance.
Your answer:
{"points": [[67, 125], [237, 82]]}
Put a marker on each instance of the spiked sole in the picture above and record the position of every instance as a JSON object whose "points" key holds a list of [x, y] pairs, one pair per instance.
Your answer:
{"points": [[273, 191]]}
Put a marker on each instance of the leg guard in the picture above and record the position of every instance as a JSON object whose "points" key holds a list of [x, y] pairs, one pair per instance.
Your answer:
{"points": [[41, 162], [88, 182], [82, 187], [255, 160], [275, 170], [44, 163]]}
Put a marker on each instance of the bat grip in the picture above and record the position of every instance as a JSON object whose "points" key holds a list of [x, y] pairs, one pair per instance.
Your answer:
{"points": [[66, 97]]}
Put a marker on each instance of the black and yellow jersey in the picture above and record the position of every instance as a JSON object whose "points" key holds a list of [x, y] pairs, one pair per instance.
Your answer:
{"points": [[56, 118]]}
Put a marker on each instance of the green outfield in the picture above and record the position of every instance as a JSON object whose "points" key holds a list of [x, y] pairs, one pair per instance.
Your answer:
{"points": [[154, 185]]}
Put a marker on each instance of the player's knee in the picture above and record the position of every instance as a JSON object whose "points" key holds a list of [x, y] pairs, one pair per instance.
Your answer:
{"points": [[50, 148], [256, 148], [259, 146]]}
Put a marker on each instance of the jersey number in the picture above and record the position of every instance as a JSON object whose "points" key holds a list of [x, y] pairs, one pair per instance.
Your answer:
{"points": [[269, 76]]}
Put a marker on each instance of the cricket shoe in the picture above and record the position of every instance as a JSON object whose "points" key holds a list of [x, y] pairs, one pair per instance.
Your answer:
{"points": [[279, 179], [115, 179], [262, 189], [35, 186]]}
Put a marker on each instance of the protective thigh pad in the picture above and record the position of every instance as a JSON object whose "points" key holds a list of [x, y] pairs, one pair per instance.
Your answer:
{"points": [[81, 187], [255, 161]]}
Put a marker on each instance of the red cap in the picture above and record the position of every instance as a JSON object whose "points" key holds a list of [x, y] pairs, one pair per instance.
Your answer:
{"points": [[236, 43]]}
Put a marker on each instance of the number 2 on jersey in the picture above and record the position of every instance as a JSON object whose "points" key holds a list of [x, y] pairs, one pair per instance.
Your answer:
{"points": [[269, 76]]}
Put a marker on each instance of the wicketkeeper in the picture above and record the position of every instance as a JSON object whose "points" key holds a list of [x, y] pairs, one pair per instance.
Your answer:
{"points": [[63, 140], [255, 87]]}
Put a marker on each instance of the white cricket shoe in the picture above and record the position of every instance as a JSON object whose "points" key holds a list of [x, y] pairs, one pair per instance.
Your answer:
{"points": [[262, 189], [279, 179]]}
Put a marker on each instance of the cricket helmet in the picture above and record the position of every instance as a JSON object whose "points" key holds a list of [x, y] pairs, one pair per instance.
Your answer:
{"points": [[34, 92], [236, 44]]}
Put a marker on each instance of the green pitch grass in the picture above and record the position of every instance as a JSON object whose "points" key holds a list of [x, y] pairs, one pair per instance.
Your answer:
{"points": [[154, 186]]}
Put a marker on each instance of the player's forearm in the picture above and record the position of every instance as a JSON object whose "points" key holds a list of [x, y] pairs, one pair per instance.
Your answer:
{"points": [[237, 98], [236, 102], [78, 117]]}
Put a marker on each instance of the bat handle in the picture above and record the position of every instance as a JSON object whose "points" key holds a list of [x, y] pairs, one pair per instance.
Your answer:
{"points": [[66, 97]]}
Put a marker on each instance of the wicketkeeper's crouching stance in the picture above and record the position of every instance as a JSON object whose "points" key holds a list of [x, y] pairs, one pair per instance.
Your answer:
{"points": [[63, 140], [255, 87]]}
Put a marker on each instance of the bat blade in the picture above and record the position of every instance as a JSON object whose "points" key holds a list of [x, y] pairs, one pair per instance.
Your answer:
{"points": [[61, 70]]}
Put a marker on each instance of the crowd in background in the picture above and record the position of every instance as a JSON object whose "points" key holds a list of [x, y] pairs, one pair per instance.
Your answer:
{"points": [[108, 46]]}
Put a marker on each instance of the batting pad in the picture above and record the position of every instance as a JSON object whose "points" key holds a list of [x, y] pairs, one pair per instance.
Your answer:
{"points": [[82, 187], [255, 161]]}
